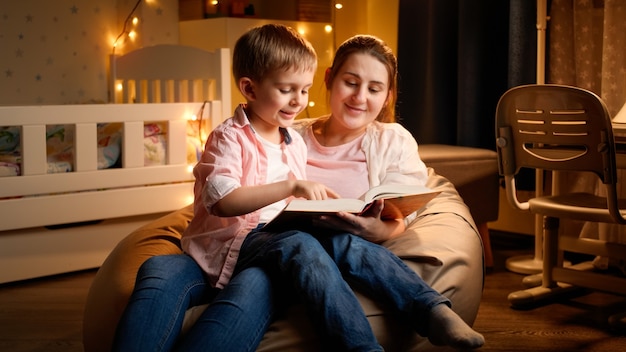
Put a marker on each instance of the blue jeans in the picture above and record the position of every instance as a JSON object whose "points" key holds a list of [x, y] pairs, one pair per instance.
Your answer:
{"points": [[383, 276], [315, 266], [300, 260], [168, 285], [320, 266]]}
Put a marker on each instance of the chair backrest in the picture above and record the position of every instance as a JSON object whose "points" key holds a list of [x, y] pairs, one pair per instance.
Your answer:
{"points": [[171, 74], [554, 127]]}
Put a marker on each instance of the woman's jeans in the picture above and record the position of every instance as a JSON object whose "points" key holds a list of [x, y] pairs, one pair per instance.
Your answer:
{"points": [[317, 267]]}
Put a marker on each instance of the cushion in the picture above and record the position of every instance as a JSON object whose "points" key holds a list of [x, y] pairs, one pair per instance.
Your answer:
{"points": [[442, 245], [474, 173]]}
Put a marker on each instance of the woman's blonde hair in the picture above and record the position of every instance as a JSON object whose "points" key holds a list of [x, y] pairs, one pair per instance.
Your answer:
{"points": [[265, 49], [371, 45]]}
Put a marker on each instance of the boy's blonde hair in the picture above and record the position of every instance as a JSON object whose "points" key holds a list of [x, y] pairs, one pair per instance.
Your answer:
{"points": [[265, 49]]}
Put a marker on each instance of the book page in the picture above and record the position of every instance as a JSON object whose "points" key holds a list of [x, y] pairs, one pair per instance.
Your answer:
{"points": [[327, 205], [389, 191]]}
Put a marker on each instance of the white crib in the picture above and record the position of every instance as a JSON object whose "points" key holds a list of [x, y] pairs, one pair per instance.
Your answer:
{"points": [[54, 223]]}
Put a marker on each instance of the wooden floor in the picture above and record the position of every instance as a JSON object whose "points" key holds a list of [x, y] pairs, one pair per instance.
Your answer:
{"points": [[45, 314]]}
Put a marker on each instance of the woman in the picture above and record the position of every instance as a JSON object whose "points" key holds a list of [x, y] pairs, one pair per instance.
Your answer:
{"points": [[361, 83]]}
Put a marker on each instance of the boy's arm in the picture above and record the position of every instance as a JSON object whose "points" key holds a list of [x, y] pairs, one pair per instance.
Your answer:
{"points": [[247, 199]]}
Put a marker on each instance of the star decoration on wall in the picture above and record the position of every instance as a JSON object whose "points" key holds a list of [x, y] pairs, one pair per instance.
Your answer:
{"points": [[39, 47]]}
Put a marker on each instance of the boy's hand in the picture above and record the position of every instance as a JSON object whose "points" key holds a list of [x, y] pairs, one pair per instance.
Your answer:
{"points": [[312, 190]]}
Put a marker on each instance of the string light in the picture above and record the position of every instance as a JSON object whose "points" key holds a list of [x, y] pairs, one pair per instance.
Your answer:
{"points": [[333, 19], [129, 19]]}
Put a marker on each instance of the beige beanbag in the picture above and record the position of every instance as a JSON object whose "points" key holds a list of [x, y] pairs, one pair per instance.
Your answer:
{"points": [[442, 246]]}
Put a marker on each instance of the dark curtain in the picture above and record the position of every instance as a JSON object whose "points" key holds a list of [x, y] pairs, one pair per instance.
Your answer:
{"points": [[455, 59]]}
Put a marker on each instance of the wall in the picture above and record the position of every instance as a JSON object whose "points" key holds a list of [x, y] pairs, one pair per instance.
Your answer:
{"points": [[376, 17], [56, 52]]}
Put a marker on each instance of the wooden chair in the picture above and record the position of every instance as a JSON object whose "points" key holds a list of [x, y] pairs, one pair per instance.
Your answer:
{"points": [[561, 128], [171, 74]]}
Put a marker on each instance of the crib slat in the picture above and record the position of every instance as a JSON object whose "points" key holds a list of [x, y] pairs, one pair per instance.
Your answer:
{"points": [[151, 91], [138, 89], [127, 90], [34, 158], [132, 144], [207, 90], [177, 142], [216, 114], [190, 91], [86, 147], [175, 90], [196, 94]]}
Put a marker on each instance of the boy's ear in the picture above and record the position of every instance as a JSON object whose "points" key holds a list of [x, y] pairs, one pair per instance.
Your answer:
{"points": [[246, 87]]}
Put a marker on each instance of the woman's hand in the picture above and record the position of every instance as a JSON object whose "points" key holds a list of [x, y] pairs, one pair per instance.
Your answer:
{"points": [[368, 225]]}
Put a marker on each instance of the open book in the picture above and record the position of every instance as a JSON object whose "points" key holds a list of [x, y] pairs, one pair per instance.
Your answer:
{"points": [[400, 201]]}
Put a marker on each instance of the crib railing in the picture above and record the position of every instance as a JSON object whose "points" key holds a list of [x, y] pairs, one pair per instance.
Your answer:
{"points": [[36, 198], [169, 73]]}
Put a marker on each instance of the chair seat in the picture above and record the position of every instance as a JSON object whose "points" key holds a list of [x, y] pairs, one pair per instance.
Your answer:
{"points": [[579, 206]]}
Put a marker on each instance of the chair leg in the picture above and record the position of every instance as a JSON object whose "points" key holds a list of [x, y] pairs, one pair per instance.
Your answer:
{"points": [[550, 250], [551, 259]]}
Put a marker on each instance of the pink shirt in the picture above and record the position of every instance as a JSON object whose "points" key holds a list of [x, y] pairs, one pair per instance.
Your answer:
{"points": [[390, 157], [233, 157], [349, 158], [391, 154]]}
